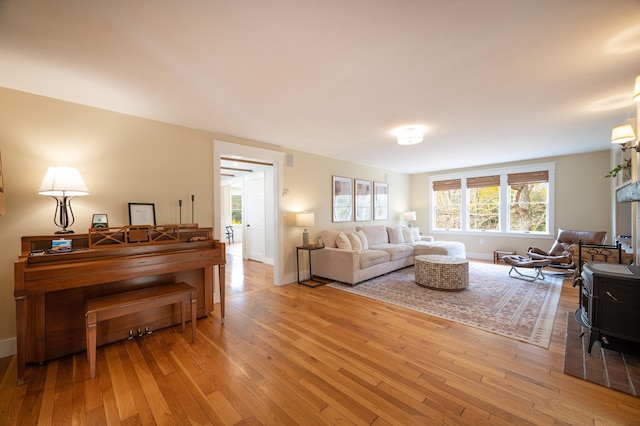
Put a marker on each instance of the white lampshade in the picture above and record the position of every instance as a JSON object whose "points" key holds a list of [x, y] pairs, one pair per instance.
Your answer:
{"points": [[410, 216], [63, 182], [636, 89], [305, 219], [622, 134]]}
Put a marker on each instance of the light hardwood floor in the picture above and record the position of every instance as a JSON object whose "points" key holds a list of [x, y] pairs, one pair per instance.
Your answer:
{"points": [[299, 355]]}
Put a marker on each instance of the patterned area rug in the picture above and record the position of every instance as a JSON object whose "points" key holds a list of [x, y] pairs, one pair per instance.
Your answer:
{"points": [[493, 301]]}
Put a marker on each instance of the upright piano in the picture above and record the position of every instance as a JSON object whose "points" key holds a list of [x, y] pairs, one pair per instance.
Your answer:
{"points": [[51, 287]]}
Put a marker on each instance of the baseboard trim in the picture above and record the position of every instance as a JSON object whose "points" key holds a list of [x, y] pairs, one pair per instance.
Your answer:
{"points": [[8, 347]]}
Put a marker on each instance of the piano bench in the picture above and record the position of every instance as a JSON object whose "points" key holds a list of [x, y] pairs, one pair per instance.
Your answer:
{"points": [[117, 305]]}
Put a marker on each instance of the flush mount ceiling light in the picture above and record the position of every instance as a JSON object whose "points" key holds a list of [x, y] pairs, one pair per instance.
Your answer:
{"points": [[410, 135]]}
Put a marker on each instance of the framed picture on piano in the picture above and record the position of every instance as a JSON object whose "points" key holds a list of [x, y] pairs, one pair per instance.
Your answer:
{"points": [[142, 214], [99, 221]]}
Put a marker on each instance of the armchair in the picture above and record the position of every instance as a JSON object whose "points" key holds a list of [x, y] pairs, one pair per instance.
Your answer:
{"points": [[560, 254]]}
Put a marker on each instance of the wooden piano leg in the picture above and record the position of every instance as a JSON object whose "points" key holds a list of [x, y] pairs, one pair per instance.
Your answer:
{"points": [[221, 277], [92, 331], [194, 314], [21, 338]]}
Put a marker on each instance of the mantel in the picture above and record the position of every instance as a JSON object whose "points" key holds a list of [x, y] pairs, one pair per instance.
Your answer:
{"points": [[629, 193]]}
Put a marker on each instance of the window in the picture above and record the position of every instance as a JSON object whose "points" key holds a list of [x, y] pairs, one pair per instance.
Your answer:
{"points": [[509, 200], [528, 200], [236, 209], [448, 204], [483, 194]]}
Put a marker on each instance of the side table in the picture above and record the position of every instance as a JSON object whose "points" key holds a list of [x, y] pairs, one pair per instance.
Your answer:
{"points": [[308, 249]]}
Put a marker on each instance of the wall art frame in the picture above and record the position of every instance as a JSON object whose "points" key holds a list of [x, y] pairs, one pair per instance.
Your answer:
{"points": [[380, 201], [342, 199], [364, 199], [142, 214]]}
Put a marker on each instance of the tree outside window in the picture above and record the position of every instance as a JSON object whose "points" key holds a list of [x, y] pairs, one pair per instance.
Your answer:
{"points": [[502, 200], [528, 207], [236, 209], [483, 195], [448, 204]]}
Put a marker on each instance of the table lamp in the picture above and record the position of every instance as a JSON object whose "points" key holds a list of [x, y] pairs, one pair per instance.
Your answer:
{"points": [[63, 183], [305, 220], [409, 217]]}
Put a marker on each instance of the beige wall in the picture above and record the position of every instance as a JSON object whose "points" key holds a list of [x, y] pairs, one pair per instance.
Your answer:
{"points": [[582, 195], [128, 159], [308, 185]]}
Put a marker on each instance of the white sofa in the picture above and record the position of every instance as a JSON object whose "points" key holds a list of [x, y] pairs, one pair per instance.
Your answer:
{"points": [[370, 251]]}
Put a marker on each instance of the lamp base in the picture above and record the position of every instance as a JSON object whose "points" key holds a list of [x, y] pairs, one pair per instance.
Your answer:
{"points": [[64, 231], [305, 238]]}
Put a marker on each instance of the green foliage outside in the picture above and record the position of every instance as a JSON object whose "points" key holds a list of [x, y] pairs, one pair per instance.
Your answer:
{"points": [[527, 208], [484, 208], [236, 209]]}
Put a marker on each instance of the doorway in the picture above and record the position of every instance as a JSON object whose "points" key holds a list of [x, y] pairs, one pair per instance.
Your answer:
{"points": [[273, 227]]}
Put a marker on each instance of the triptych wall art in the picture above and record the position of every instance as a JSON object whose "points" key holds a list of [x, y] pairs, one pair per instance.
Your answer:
{"points": [[359, 200]]}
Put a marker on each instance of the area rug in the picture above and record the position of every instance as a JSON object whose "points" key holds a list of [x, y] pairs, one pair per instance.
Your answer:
{"points": [[616, 367], [493, 301]]}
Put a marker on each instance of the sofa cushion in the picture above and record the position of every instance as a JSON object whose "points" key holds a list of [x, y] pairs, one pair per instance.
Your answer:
{"points": [[356, 244], [343, 241], [407, 235], [363, 240], [396, 251], [444, 248], [395, 234], [375, 234], [328, 237], [373, 257]]}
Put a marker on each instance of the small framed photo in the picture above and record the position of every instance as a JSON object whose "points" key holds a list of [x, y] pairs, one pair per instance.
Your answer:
{"points": [[99, 221], [380, 201], [142, 214], [363, 200], [342, 189]]}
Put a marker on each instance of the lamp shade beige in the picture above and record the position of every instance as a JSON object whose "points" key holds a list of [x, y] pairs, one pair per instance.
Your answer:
{"points": [[636, 89], [63, 182], [305, 220], [622, 134], [410, 215]]}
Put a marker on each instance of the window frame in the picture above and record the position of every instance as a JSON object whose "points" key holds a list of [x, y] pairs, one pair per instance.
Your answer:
{"points": [[504, 208]]}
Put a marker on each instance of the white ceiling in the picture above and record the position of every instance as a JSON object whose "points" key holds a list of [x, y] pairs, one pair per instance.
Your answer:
{"points": [[493, 80]]}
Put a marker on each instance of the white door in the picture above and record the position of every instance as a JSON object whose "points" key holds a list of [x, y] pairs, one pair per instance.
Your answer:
{"points": [[253, 217]]}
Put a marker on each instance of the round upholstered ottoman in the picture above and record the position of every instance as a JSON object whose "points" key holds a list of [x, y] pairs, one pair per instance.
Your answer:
{"points": [[442, 272]]}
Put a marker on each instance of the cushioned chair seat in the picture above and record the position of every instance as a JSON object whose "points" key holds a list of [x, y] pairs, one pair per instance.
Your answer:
{"points": [[560, 253], [524, 262]]}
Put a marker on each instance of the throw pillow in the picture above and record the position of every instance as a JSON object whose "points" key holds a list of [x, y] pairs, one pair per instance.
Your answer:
{"points": [[356, 244], [363, 240], [416, 234], [395, 234], [329, 238], [343, 241], [407, 234], [376, 234]]}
